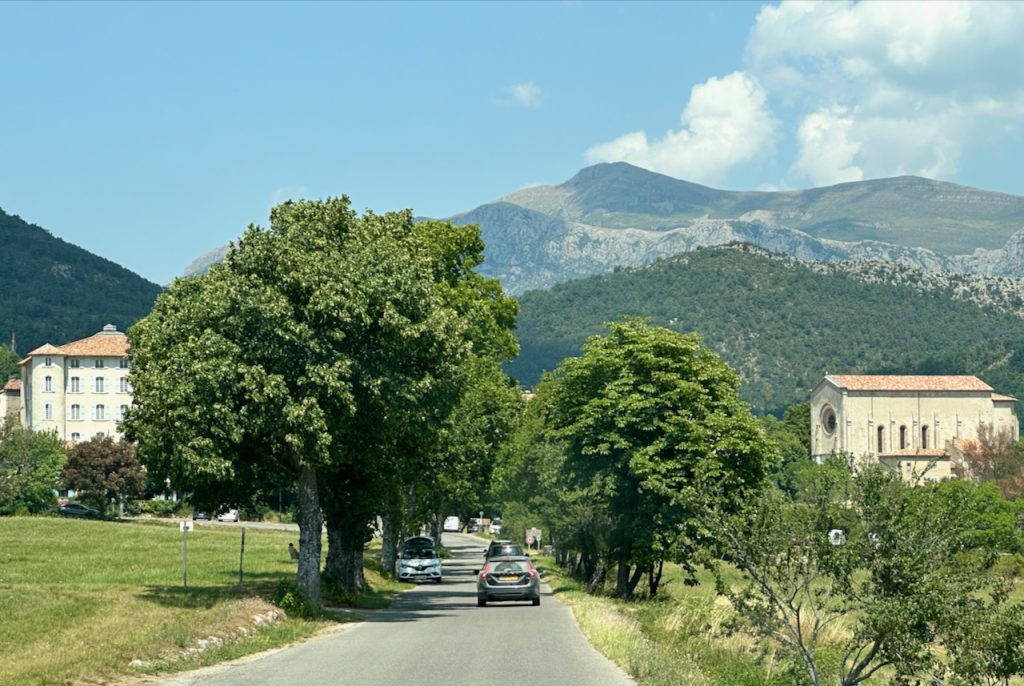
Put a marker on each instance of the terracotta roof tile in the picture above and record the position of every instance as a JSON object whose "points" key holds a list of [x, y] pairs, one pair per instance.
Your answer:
{"points": [[103, 344], [13, 385], [854, 382], [1000, 396], [47, 349]]}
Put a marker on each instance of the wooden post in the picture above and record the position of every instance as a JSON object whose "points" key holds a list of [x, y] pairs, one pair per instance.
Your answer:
{"points": [[241, 558]]}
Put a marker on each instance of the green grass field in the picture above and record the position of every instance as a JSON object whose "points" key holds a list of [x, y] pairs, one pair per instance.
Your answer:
{"points": [[81, 600], [683, 638]]}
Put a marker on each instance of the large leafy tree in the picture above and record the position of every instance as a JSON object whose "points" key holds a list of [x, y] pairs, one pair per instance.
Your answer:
{"points": [[102, 470], [655, 434], [279, 362], [30, 464]]}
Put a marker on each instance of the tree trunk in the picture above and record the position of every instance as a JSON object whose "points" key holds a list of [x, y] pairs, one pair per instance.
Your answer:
{"points": [[597, 579], [310, 530], [435, 528], [654, 578], [389, 541], [622, 577], [344, 565]]}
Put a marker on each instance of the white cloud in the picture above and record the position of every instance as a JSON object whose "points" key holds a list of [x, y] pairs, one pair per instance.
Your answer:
{"points": [[826, 153], [521, 94], [882, 89], [726, 122], [284, 193]]}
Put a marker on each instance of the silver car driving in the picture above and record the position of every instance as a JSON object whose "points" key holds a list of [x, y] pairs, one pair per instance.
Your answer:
{"points": [[510, 577]]}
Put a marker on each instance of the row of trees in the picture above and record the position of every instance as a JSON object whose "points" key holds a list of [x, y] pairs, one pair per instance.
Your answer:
{"points": [[33, 465], [353, 357], [639, 453]]}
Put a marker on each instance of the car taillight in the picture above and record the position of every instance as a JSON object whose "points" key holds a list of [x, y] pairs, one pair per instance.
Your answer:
{"points": [[533, 573], [484, 572]]}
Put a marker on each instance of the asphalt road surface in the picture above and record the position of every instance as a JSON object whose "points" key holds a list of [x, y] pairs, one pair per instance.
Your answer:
{"points": [[433, 635]]}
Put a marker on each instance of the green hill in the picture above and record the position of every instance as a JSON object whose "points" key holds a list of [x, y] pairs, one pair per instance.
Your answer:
{"points": [[779, 323], [53, 291]]}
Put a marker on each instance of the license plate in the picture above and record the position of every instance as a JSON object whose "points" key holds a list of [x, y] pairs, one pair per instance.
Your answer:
{"points": [[509, 578]]}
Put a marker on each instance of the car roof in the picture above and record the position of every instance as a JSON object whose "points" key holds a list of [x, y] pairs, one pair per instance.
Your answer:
{"points": [[510, 558], [501, 542]]}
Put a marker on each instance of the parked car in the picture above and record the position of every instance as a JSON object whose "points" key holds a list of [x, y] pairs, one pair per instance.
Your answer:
{"points": [[495, 528], [200, 515], [452, 523], [419, 564], [229, 516], [508, 578], [78, 510], [474, 525]]}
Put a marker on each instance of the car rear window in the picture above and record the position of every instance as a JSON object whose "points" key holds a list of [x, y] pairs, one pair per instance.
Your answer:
{"points": [[514, 566]]}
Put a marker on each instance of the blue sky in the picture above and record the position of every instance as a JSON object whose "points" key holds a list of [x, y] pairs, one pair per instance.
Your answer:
{"points": [[150, 133]]}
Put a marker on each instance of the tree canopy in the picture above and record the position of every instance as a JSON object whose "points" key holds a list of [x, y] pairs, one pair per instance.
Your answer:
{"points": [[102, 470], [30, 465]]}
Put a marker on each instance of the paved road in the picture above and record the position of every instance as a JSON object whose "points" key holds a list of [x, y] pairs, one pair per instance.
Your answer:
{"points": [[433, 635]]}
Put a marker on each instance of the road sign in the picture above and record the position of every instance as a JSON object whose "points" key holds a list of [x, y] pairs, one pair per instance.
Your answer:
{"points": [[529, 539], [185, 525]]}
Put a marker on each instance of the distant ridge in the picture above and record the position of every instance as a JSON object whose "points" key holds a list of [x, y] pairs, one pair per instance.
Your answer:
{"points": [[618, 215], [54, 292]]}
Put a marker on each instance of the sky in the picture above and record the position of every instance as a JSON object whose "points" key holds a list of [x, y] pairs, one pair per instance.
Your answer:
{"points": [[150, 133]]}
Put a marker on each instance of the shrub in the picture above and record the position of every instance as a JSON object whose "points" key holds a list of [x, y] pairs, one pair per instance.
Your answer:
{"points": [[288, 597]]}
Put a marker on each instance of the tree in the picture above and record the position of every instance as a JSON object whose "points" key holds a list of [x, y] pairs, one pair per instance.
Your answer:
{"points": [[102, 470], [995, 458], [30, 465], [9, 366], [280, 362], [891, 563], [652, 425]]}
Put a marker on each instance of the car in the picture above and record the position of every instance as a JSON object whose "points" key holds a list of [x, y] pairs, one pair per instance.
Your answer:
{"points": [[495, 527], [474, 526], [78, 510], [452, 523], [509, 577], [200, 515], [228, 516], [502, 548], [418, 542], [419, 564]]}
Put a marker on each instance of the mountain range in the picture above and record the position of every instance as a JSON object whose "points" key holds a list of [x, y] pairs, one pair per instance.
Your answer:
{"points": [[54, 292], [618, 215]]}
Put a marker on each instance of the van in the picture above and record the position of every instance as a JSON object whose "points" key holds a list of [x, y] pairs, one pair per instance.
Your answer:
{"points": [[452, 523]]}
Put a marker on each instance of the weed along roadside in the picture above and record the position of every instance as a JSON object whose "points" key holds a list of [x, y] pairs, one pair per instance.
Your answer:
{"points": [[85, 600]]}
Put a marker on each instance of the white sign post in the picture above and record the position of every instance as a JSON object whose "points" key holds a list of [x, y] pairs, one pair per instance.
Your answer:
{"points": [[184, 527], [533, 536]]}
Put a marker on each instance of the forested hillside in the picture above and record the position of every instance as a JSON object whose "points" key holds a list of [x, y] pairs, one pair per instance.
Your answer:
{"points": [[52, 291], [780, 324]]}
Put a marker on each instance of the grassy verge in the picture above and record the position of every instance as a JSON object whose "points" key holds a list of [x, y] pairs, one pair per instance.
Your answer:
{"points": [[86, 601]]}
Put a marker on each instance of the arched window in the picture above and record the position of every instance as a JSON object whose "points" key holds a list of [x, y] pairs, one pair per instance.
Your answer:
{"points": [[76, 411], [881, 440], [48, 384], [47, 411], [76, 384], [924, 436], [903, 438]]}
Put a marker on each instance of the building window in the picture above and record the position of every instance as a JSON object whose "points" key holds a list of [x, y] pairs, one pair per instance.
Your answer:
{"points": [[76, 437], [74, 364], [122, 411], [100, 386], [903, 438], [47, 361], [828, 420], [47, 411], [100, 434], [76, 385], [122, 385], [881, 440], [123, 363], [98, 364], [76, 411], [100, 413], [48, 384], [924, 436]]}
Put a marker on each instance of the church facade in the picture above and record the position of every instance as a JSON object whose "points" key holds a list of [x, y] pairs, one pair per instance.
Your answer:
{"points": [[915, 424]]}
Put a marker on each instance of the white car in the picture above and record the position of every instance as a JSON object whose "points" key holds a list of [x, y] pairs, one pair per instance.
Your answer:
{"points": [[229, 516], [452, 523]]}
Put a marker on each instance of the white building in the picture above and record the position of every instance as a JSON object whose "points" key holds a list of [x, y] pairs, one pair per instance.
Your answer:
{"points": [[79, 389], [911, 423], [10, 398]]}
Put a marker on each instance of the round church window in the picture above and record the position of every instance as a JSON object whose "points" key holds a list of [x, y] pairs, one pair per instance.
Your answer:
{"points": [[828, 419]]}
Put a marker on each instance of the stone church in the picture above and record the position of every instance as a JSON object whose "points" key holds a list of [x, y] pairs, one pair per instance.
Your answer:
{"points": [[916, 424]]}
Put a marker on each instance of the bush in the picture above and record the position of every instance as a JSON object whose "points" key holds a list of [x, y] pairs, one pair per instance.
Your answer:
{"points": [[288, 597], [162, 508]]}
